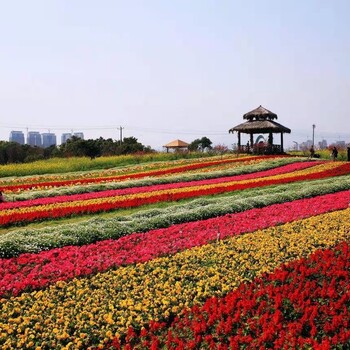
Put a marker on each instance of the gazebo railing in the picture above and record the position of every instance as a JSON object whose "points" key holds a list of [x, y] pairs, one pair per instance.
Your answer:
{"points": [[260, 149]]}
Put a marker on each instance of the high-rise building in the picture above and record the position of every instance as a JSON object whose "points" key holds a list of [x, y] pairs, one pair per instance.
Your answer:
{"points": [[340, 144], [65, 137], [79, 134], [17, 136], [49, 139], [323, 144], [34, 138]]}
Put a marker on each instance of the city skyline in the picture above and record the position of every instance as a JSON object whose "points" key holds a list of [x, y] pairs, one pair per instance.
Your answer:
{"points": [[43, 139], [304, 139]]}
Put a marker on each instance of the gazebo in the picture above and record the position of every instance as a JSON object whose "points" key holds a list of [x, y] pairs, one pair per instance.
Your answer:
{"points": [[176, 145], [260, 121]]}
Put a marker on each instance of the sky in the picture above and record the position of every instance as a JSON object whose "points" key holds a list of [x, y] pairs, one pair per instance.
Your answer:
{"points": [[165, 70]]}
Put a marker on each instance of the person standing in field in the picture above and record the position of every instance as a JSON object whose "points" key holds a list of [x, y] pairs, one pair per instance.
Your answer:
{"points": [[2, 199], [312, 151], [334, 153]]}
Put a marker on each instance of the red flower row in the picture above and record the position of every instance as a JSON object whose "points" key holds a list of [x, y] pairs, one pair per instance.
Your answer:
{"points": [[133, 190], [81, 208], [302, 305], [31, 271], [179, 169]]}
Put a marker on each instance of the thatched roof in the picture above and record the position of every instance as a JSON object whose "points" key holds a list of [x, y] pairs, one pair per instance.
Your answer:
{"points": [[260, 127], [260, 113], [176, 143]]}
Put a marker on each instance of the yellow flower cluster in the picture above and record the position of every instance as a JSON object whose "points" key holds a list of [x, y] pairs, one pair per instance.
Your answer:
{"points": [[90, 310]]}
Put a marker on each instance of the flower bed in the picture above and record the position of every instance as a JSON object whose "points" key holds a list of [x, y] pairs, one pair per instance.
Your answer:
{"points": [[265, 265], [30, 271], [93, 310], [161, 187], [58, 210], [22, 240], [83, 180], [289, 308]]}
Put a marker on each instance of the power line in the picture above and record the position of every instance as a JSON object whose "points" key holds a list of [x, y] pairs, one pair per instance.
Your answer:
{"points": [[195, 132]]}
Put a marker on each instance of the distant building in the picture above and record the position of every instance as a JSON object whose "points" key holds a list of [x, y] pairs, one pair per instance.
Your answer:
{"points": [[306, 145], [65, 136], [17, 136], [323, 144], [79, 134], [340, 144], [34, 138], [48, 139]]}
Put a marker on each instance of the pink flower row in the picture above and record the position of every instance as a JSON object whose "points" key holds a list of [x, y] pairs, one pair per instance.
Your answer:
{"points": [[31, 271]]}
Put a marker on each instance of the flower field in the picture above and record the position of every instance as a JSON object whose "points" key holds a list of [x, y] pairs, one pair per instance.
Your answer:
{"points": [[213, 253]]}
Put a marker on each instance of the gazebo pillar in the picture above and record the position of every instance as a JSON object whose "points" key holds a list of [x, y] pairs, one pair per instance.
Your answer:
{"points": [[282, 142], [239, 140], [270, 139], [251, 140]]}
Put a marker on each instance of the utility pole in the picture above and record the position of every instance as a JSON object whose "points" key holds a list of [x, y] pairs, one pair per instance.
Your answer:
{"points": [[121, 134], [313, 135]]}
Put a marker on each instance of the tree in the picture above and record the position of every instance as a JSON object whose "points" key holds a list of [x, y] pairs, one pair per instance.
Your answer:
{"points": [[194, 145], [200, 144], [92, 149], [205, 143], [12, 152], [130, 145]]}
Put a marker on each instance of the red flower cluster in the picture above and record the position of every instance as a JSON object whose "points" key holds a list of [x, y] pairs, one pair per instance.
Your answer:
{"points": [[31, 271], [304, 304]]}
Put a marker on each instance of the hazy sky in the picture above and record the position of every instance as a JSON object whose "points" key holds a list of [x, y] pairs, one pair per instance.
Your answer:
{"points": [[167, 69]]}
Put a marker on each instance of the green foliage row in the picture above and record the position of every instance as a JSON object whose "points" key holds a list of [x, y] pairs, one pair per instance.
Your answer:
{"points": [[60, 191], [35, 240]]}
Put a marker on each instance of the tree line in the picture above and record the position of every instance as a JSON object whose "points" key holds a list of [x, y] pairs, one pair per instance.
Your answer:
{"points": [[13, 152]]}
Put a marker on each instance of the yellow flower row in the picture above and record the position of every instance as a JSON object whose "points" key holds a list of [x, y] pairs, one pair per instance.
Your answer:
{"points": [[82, 311], [174, 191]]}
